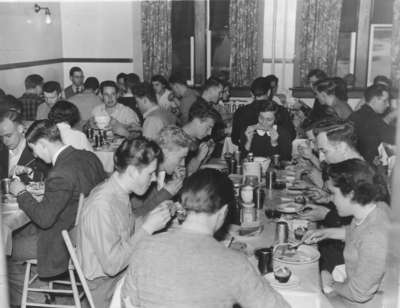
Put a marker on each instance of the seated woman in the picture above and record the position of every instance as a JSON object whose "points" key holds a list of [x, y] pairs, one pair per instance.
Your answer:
{"points": [[266, 138], [357, 191], [187, 267], [331, 92], [165, 99], [106, 233], [66, 115]]}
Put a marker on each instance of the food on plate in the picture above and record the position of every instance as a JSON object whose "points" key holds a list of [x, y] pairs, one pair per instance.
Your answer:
{"points": [[292, 255], [35, 188], [282, 274], [299, 233]]}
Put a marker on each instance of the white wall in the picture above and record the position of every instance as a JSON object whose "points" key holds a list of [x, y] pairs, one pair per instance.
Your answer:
{"points": [[284, 40], [101, 30], [24, 37]]}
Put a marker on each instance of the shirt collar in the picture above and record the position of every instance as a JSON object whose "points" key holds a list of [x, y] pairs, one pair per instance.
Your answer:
{"points": [[155, 107], [19, 149], [63, 125], [58, 153], [117, 183]]}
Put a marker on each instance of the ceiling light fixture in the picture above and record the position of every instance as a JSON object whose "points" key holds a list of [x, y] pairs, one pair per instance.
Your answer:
{"points": [[38, 8]]}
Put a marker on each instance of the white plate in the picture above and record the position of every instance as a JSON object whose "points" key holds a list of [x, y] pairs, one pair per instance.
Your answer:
{"points": [[292, 283], [289, 207], [310, 253]]}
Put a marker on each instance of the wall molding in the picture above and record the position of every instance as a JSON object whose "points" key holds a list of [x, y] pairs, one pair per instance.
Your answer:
{"points": [[278, 60], [15, 65]]}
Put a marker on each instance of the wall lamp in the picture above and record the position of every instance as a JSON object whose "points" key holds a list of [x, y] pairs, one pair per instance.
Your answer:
{"points": [[38, 8]]}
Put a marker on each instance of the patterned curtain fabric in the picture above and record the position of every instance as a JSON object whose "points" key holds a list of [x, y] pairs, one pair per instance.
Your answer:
{"points": [[244, 35], [156, 38], [320, 35], [396, 44]]}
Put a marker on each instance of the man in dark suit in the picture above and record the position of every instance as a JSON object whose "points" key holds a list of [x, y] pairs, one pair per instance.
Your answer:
{"points": [[76, 77], [15, 156], [73, 172]]}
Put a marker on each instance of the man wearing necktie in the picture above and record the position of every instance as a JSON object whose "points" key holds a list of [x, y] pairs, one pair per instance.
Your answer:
{"points": [[76, 76]]}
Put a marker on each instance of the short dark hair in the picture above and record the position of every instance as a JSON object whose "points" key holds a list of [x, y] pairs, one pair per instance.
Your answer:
{"points": [[131, 80], [357, 176], [212, 82], [161, 79], [381, 79], [74, 70], [376, 90], [324, 113], [144, 89], [341, 88], [9, 102], [271, 78], [203, 111], [91, 83], [267, 105], [320, 74], [32, 81], [206, 191], [178, 78], [108, 83], [64, 111], [121, 75], [327, 85], [259, 87], [139, 152], [45, 129], [337, 130], [52, 86], [11, 114]]}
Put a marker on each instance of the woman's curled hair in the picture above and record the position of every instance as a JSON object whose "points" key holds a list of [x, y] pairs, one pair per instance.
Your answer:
{"points": [[138, 152], [357, 176]]}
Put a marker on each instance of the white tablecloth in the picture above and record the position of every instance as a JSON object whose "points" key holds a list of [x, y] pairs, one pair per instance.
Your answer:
{"points": [[11, 220]]}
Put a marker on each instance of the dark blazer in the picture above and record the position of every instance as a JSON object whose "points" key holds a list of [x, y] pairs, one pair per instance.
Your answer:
{"points": [[40, 169], [68, 92], [75, 172]]}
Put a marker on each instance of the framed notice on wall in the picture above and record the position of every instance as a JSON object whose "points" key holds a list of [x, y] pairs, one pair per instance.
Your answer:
{"points": [[379, 59]]}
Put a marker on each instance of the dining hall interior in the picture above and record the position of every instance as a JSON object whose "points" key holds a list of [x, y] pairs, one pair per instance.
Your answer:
{"points": [[199, 153]]}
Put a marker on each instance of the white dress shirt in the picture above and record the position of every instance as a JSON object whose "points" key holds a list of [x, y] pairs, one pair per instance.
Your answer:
{"points": [[15, 155], [73, 137]]}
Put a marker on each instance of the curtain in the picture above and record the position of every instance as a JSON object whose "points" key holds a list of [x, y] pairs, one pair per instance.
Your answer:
{"points": [[319, 36], [244, 34], [396, 44], [156, 38]]}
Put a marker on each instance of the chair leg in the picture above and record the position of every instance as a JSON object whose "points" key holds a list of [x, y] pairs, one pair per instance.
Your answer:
{"points": [[74, 289], [26, 285]]}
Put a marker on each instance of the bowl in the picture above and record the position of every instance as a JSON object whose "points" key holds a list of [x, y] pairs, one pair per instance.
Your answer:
{"points": [[282, 274]]}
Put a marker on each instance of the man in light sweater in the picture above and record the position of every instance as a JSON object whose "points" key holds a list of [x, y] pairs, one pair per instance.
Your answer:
{"points": [[187, 267]]}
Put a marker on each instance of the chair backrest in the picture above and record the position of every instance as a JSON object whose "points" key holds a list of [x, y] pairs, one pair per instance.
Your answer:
{"points": [[77, 266], [80, 206]]}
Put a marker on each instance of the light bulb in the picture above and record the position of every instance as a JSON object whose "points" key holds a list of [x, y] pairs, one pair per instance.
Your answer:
{"points": [[48, 18]]}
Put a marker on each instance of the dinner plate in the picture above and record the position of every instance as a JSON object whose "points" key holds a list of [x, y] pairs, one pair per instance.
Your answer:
{"points": [[292, 282], [289, 207], [304, 254]]}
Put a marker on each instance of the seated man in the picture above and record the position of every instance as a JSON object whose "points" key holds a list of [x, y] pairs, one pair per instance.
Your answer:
{"points": [[76, 77], [74, 172], [175, 145], [187, 267], [370, 127], [32, 97], [155, 118], [123, 119], [202, 118], [52, 94]]}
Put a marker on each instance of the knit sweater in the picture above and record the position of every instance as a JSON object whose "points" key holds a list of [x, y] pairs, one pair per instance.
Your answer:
{"points": [[366, 248]]}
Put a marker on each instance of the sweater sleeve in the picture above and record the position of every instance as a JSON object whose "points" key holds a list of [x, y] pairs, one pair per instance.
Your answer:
{"points": [[362, 285]]}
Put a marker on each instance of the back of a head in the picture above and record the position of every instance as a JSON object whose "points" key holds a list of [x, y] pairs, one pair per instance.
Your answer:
{"points": [[206, 191], [138, 152], [337, 130], [212, 82], [357, 176], [376, 90], [259, 87], [173, 138], [326, 85], [177, 78], [121, 76], [383, 80], [267, 105], [51, 86], [91, 83], [203, 111], [131, 80], [64, 111], [319, 74], [271, 78], [341, 88], [324, 113], [74, 69], [143, 90], [106, 84], [9, 102], [43, 129], [161, 79], [32, 81]]}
